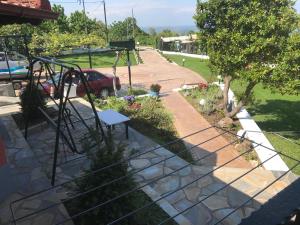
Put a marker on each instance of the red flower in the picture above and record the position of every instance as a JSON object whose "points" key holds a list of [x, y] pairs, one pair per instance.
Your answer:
{"points": [[202, 86]]}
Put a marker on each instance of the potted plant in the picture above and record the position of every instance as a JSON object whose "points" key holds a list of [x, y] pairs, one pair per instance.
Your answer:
{"points": [[154, 90]]}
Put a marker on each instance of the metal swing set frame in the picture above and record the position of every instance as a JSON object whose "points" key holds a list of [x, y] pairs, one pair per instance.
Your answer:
{"points": [[67, 71]]}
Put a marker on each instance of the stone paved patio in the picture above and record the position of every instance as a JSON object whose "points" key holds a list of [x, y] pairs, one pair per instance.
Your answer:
{"points": [[22, 176], [175, 184]]}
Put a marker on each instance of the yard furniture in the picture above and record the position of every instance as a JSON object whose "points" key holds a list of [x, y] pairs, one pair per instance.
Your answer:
{"points": [[111, 118]]}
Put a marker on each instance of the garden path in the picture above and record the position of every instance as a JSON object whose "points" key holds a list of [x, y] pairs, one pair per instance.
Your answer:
{"points": [[156, 69]]}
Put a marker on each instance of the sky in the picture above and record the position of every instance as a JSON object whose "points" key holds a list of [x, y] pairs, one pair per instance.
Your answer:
{"points": [[149, 13]]}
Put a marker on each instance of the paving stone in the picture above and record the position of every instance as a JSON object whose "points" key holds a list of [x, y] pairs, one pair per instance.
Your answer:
{"points": [[36, 174], [263, 197], [233, 219], [189, 180], [32, 204], [214, 187], [139, 179], [149, 155], [163, 152], [140, 163], [134, 145], [151, 172], [168, 171], [198, 215], [200, 170], [22, 212], [175, 197], [167, 184], [192, 193], [236, 198], [45, 219], [159, 160], [182, 205], [248, 211], [21, 155], [175, 163], [186, 171], [214, 202], [204, 181]]}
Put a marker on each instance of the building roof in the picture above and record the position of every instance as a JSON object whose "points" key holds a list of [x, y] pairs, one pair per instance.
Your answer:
{"points": [[25, 11], [185, 39]]}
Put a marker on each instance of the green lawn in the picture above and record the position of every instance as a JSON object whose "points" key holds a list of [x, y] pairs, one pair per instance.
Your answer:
{"points": [[98, 59], [272, 111], [197, 65]]}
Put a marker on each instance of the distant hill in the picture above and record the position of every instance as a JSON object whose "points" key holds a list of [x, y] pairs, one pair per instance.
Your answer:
{"points": [[177, 29]]}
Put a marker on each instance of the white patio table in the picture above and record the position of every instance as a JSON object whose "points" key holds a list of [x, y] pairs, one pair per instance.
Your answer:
{"points": [[112, 118]]}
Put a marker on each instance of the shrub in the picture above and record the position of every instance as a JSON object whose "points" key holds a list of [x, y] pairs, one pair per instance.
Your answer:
{"points": [[136, 91], [212, 95], [155, 88], [103, 156], [30, 102], [113, 103], [208, 108]]}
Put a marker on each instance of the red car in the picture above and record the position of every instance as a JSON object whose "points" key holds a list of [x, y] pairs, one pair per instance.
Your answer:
{"points": [[101, 84]]}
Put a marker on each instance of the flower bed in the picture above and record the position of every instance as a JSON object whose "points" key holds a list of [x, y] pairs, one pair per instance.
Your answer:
{"points": [[207, 100]]}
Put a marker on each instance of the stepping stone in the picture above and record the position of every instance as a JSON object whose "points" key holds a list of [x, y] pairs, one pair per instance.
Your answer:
{"points": [[151, 172], [167, 184], [214, 202], [192, 193], [9, 183], [139, 163]]}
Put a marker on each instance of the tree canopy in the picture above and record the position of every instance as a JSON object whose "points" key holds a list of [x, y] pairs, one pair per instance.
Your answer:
{"points": [[247, 40], [123, 30]]}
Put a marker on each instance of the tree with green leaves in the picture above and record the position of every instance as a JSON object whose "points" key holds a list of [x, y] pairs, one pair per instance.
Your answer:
{"points": [[126, 29], [16, 29], [79, 22], [249, 41], [287, 71], [61, 24]]}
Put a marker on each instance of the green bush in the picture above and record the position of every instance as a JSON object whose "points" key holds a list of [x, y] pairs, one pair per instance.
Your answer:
{"points": [[136, 91], [212, 96], [102, 156], [113, 103], [30, 102]]}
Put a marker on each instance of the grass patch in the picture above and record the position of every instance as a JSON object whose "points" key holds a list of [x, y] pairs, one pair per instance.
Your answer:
{"points": [[137, 91], [99, 60], [200, 66], [272, 111], [287, 147]]}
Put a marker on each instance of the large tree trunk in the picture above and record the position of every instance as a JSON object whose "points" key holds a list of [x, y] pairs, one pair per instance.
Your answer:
{"points": [[227, 81], [244, 100]]}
